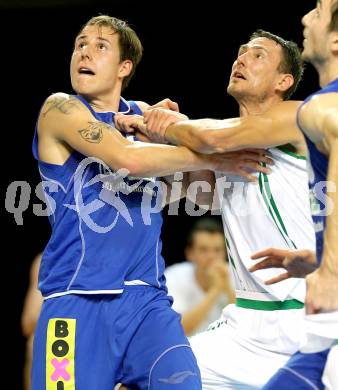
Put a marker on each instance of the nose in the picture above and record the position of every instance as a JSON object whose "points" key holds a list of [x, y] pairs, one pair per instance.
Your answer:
{"points": [[305, 18], [86, 52], [241, 59]]}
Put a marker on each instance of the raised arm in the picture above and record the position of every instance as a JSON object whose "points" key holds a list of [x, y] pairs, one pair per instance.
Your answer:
{"points": [[65, 124]]}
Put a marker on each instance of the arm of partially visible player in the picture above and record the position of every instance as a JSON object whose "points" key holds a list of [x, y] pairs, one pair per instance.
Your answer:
{"points": [[68, 121], [275, 127], [33, 301], [320, 117]]}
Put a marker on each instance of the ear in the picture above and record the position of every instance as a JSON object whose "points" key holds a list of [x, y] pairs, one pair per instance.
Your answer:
{"points": [[284, 82], [125, 68], [334, 42]]}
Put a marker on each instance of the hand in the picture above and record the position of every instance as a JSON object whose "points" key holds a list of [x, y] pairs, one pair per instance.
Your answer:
{"points": [[322, 291], [297, 263], [167, 104], [129, 123], [219, 276], [158, 120], [242, 162]]}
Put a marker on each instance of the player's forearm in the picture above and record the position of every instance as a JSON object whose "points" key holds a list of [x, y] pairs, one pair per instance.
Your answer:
{"points": [[275, 127], [201, 190], [191, 133], [161, 160], [192, 319], [330, 253]]}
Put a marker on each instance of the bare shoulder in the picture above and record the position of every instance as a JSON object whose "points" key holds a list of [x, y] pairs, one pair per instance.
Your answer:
{"points": [[60, 103], [321, 104], [320, 114]]}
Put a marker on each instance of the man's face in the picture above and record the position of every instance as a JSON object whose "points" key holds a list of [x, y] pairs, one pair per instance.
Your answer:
{"points": [[207, 248], [316, 32], [255, 72], [95, 64]]}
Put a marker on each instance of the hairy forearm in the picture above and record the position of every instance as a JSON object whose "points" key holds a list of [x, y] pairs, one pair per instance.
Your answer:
{"points": [[330, 253], [274, 128]]}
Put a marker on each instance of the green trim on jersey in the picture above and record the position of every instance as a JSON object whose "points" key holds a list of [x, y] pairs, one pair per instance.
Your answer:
{"points": [[229, 252], [265, 190], [285, 149], [269, 305]]}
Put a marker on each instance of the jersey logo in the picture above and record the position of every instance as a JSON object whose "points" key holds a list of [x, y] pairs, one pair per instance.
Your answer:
{"points": [[60, 354], [178, 377]]}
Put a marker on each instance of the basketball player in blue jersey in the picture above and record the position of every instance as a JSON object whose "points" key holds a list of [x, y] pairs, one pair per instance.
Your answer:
{"points": [[318, 119], [106, 316]]}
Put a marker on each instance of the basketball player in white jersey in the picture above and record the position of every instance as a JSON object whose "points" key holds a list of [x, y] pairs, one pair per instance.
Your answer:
{"points": [[256, 336]]}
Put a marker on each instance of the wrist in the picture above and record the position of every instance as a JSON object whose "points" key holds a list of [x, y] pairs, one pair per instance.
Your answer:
{"points": [[169, 134]]}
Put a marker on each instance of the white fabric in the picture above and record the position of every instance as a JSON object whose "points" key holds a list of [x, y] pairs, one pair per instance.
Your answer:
{"points": [[246, 347], [330, 375], [321, 332], [183, 287], [250, 227]]}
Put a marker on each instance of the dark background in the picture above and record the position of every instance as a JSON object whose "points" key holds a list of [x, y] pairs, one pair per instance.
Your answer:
{"points": [[188, 56]]}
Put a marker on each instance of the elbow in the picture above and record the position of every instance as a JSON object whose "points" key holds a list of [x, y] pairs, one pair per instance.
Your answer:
{"points": [[129, 165], [27, 327]]}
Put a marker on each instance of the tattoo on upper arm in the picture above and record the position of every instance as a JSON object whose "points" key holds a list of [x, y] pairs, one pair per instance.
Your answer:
{"points": [[62, 104], [93, 133]]}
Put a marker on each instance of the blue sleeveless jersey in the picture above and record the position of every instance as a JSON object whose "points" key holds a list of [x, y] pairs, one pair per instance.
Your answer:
{"points": [[317, 177], [105, 225]]}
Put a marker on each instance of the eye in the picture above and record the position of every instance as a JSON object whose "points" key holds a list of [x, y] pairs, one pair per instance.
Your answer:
{"points": [[81, 45], [101, 46]]}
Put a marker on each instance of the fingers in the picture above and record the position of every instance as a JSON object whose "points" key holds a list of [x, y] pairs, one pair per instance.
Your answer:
{"points": [[141, 137], [270, 252], [254, 166], [165, 103], [262, 157], [277, 279], [269, 262], [157, 122], [247, 175], [129, 123]]}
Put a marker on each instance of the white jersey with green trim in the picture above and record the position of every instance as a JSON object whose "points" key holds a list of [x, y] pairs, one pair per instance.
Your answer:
{"points": [[271, 213]]}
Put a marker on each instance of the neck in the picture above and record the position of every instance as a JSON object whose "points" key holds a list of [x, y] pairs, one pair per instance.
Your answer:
{"points": [[249, 106], [106, 102], [327, 72]]}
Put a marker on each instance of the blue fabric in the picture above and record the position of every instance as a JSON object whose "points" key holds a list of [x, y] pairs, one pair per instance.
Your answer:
{"points": [[302, 372], [100, 235], [134, 338], [319, 165]]}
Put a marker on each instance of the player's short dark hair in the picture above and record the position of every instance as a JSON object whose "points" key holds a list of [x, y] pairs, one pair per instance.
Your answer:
{"points": [[205, 224], [291, 61]]}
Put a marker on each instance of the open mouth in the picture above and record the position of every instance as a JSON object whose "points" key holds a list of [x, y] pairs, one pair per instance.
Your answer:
{"points": [[238, 75], [87, 71]]}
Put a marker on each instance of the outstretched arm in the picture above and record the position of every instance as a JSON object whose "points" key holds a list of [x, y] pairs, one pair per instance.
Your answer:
{"points": [[275, 127], [66, 124]]}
